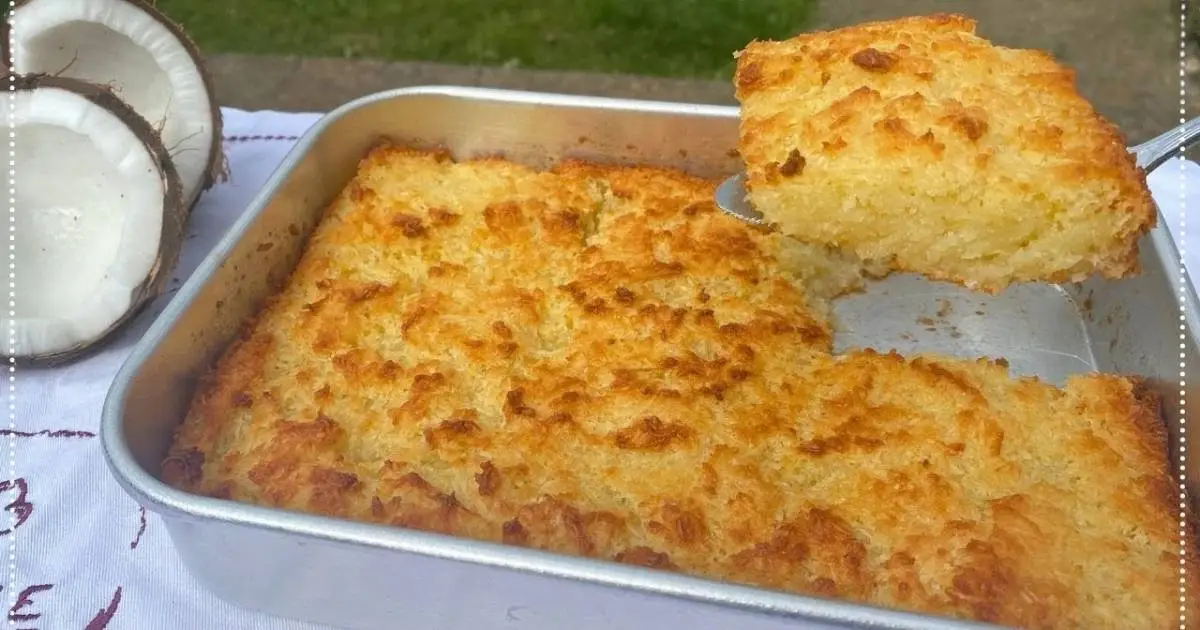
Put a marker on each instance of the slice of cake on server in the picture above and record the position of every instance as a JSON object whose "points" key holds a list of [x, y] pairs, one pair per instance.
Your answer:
{"points": [[917, 144]]}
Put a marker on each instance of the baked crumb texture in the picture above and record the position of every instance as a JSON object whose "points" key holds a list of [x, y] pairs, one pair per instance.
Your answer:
{"points": [[595, 361], [920, 145]]}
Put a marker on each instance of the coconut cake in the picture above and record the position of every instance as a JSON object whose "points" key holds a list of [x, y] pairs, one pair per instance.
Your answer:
{"points": [[922, 146], [594, 361]]}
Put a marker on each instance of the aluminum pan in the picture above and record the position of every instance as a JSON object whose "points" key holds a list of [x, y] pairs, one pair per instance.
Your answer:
{"points": [[295, 565]]}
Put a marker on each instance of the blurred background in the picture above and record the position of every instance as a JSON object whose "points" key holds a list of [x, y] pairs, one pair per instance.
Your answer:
{"points": [[313, 55]]}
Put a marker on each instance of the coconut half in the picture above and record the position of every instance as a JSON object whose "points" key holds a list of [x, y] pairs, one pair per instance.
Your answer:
{"points": [[99, 217], [145, 58]]}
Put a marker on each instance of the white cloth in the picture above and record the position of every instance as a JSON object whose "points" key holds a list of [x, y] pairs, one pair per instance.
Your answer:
{"points": [[86, 551]]}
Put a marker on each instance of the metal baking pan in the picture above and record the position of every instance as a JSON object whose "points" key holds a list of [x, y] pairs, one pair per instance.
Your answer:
{"points": [[366, 576]]}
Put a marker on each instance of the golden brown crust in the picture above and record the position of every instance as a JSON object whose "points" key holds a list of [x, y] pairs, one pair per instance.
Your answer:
{"points": [[595, 361], [924, 146]]}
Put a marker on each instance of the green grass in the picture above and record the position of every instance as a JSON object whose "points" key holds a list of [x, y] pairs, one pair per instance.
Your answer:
{"points": [[685, 38]]}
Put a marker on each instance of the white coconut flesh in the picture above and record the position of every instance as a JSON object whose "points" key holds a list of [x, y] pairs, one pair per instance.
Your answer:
{"points": [[89, 216], [117, 44]]}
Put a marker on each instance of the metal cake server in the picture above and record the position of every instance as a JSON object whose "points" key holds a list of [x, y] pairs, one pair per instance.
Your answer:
{"points": [[730, 196]]}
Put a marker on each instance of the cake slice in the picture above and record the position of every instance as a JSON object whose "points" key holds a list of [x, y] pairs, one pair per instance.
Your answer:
{"points": [[919, 145]]}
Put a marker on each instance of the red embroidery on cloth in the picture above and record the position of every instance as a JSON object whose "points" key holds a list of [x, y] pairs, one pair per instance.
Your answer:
{"points": [[20, 506], [57, 433], [25, 601], [141, 528], [261, 138], [100, 621]]}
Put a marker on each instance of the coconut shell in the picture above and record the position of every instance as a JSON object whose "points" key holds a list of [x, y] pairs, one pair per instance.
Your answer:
{"points": [[175, 211], [217, 169]]}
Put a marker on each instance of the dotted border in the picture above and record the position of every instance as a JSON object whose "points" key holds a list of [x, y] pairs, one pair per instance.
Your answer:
{"points": [[1184, 551], [12, 308], [11, 332]]}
